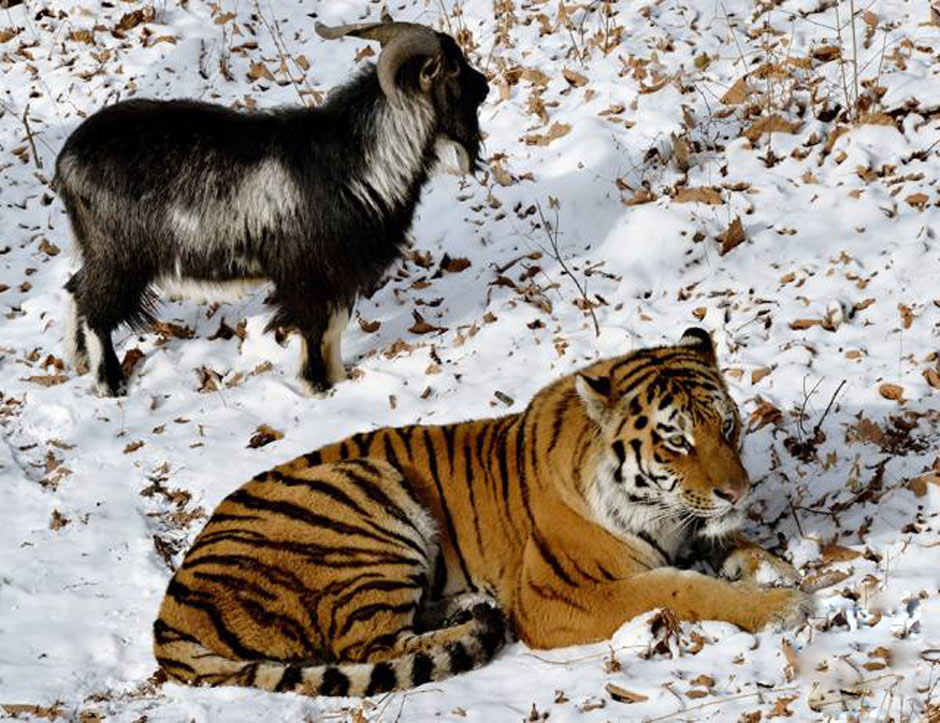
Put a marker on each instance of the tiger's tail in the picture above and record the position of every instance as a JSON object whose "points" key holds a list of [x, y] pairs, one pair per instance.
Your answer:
{"points": [[431, 656]]}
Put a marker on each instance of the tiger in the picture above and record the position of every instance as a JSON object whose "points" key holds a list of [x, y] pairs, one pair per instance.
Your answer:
{"points": [[405, 555]]}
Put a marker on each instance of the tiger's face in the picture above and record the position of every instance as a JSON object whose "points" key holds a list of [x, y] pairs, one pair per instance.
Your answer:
{"points": [[670, 437]]}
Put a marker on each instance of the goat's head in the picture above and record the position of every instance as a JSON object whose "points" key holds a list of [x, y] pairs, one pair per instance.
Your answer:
{"points": [[417, 59]]}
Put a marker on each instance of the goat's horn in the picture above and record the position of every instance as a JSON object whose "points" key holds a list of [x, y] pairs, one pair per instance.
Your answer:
{"points": [[400, 41], [414, 43], [383, 32]]}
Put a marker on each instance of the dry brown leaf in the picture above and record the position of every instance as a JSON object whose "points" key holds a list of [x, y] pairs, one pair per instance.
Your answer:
{"points": [[421, 326], [455, 265], [917, 200], [737, 93], [781, 708], [46, 380], [682, 153], [706, 681], [766, 413], [907, 315], [131, 358], [556, 131], [57, 522], [823, 579], [501, 175], [798, 324], [82, 36], [697, 693], [865, 430], [263, 435], [171, 39], [169, 329], [369, 327], [932, 378], [133, 446], [622, 695], [48, 247], [9, 34], [259, 70], [893, 392], [535, 76], [771, 124], [655, 87], [573, 78], [876, 119], [734, 236], [838, 553], [827, 53], [759, 374], [919, 485], [209, 380], [703, 194], [644, 195], [135, 18]]}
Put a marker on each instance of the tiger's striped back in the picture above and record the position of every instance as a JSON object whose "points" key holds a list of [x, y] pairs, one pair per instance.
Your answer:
{"points": [[296, 571]]}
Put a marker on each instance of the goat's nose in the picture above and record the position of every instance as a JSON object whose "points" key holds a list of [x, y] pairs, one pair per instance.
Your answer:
{"points": [[730, 494]]}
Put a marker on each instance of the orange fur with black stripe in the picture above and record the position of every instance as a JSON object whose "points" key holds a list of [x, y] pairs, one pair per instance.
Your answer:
{"points": [[570, 516]]}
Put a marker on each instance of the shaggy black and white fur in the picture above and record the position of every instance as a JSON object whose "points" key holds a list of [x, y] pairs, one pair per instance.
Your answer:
{"points": [[317, 200]]}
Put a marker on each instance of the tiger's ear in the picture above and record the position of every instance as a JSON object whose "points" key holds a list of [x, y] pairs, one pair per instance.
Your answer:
{"points": [[595, 393], [698, 339]]}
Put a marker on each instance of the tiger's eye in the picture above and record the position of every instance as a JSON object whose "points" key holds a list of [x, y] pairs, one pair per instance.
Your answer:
{"points": [[678, 440]]}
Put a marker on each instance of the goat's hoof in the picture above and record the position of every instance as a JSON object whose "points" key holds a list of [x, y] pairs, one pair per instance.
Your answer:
{"points": [[316, 390], [111, 389]]}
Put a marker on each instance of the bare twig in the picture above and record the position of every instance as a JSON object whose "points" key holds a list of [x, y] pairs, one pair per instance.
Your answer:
{"points": [[806, 397], [796, 518], [854, 56], [722, 701], [555, 253], [281, 48], [817, 428], [29, 137]]}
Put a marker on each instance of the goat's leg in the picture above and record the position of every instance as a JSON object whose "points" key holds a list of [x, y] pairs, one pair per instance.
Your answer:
{"points": [[330, 345], [75, 343], [105, 297], [109, 377], [313, 371]]}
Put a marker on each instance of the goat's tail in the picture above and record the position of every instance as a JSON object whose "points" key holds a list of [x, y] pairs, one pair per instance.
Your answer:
{"points": [[435, 656]]}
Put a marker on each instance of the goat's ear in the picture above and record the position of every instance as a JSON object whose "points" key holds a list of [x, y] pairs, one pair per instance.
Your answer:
{"points": [[595, 395], [698, 339], [430, 69]]}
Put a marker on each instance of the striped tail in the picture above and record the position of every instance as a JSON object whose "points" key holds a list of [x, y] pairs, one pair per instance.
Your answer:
{"points": [[432, 656]]}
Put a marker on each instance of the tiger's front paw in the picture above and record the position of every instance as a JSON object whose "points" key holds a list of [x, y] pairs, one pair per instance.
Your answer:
{"points": [[794, 610], [777, 609], [758, 566]]}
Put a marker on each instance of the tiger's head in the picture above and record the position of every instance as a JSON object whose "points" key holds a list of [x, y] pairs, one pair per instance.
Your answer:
{"points": [[669, 437]]}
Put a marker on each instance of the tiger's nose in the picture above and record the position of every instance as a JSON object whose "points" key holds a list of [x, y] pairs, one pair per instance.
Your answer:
{"points": [[730, 494]]}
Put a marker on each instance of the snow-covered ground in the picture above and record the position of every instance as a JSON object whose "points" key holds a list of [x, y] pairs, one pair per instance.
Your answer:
{"points": [[621, 141]]}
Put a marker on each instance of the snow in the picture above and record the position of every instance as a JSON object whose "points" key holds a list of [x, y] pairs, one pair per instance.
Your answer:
{"points": [[836, 281]]}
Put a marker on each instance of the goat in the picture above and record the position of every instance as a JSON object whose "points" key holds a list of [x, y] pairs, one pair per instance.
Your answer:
{"points": [[316, 200]]}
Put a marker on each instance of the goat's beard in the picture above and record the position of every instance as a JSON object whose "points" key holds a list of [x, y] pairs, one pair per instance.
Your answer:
{"points": [[467, 154]]}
